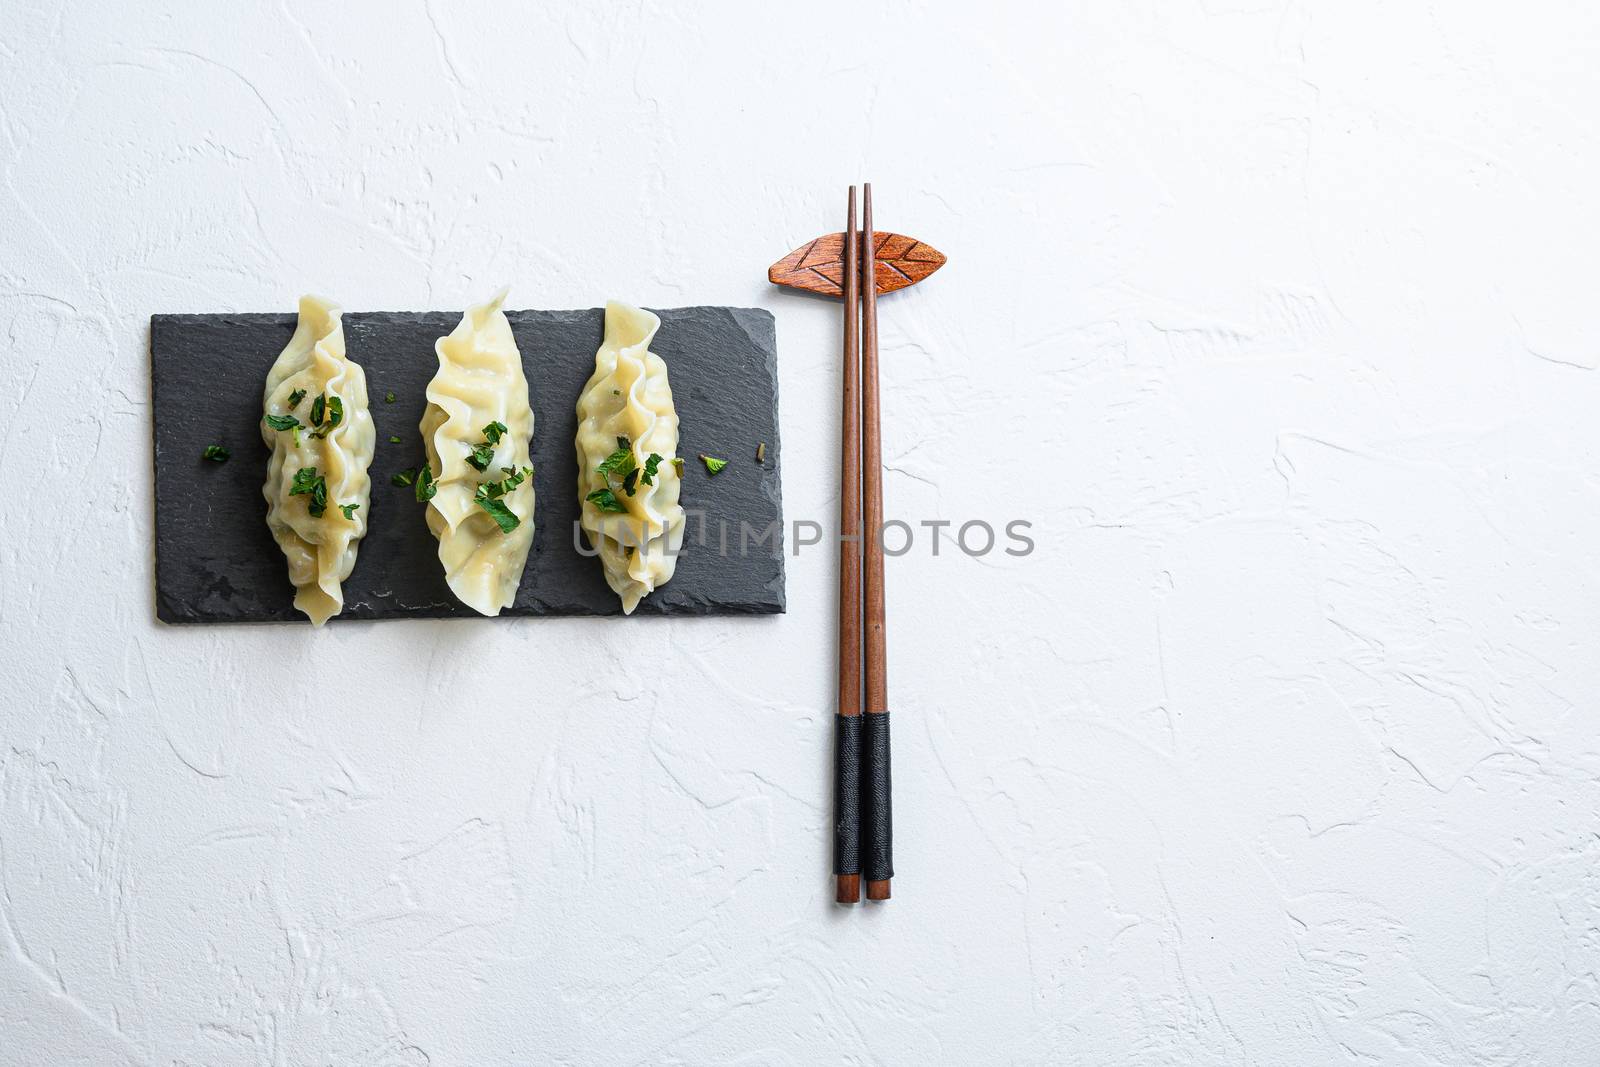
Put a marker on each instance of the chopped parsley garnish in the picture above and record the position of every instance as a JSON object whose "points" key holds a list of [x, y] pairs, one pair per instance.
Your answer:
{"points": [[426, 486], [389, 397], [489, 498], [713, 464], [483, 455], [677, 465], [348, 509], [307, 482], [503, 516], [620, 462], [216, 453], [394, 440], [513, 478], [329, 408], [403, 478], [605, 500], [623, 465], [334, 410]]}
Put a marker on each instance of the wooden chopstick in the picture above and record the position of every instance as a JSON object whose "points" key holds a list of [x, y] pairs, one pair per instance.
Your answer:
{"points": [[847, 764], [877, 861]]}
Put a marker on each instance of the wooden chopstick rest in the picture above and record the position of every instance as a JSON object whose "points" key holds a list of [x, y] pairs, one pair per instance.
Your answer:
{"points": [[818, 267]]}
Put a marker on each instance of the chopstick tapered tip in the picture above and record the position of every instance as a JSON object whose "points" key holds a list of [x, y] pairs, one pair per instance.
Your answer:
{"points": [[848, 890], [878, 890]]}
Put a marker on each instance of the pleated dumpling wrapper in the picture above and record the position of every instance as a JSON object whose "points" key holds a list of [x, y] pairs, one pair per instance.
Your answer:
{"points": [[320, 432], [628, 477], [478, 482]]}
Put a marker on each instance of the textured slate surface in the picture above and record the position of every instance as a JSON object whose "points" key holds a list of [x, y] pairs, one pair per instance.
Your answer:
{"points": [[216, 562]]}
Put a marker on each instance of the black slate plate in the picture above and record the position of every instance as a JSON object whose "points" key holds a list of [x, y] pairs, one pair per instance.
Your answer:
{"points": [[216, 562]]}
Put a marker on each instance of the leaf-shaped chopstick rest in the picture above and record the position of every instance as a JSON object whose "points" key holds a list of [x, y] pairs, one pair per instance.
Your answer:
{"points": [[818, 267]]}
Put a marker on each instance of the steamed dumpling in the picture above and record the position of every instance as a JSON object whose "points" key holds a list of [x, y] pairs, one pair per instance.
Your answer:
{"points": [[627, 443], [477, 428], [321, 435]]}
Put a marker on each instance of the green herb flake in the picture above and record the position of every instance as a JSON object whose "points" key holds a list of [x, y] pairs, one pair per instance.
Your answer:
{"points": [[305, 479], [494, 431], [283, 422], [490, 496], [605, 500], [619, 463], [677, 465], [393, 439], [481, 456], [489, 500], [713, 464], [426, 486], [630, 481], [652, 463], [503, 516], [403, 478], [513, 478], [216, 453], [295, 398], [307, 482], [349, 510], [332, 410], [388, 397]]}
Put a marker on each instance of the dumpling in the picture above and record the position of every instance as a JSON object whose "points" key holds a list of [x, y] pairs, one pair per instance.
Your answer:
{"points": [[628, 475], [478, 481], [321, 435]]}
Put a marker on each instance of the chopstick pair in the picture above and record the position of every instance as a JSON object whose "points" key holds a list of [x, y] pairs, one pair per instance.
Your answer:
{"points": [[848, 265], [864, 838]]}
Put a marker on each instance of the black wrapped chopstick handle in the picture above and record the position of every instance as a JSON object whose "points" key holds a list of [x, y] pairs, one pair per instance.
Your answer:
{"points": [[847, 798], [876, 817]]}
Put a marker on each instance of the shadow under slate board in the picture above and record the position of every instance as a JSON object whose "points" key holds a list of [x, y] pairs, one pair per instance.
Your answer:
{"points": [[217, 562]]}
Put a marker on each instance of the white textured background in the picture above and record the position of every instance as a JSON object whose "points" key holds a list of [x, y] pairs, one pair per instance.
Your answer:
{"points": [[1278, 320]]}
